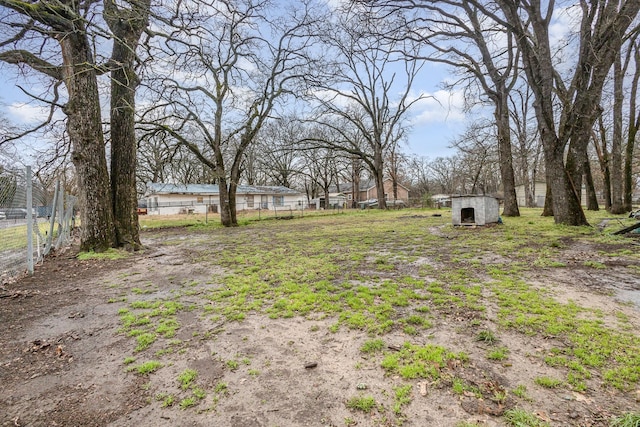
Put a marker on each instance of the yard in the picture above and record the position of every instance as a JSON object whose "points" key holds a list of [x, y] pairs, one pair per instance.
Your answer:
{"points": [[365, 318]]}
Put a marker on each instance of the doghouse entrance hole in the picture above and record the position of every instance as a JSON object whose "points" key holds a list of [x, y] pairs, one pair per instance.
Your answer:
{"points": [[467, 215]]}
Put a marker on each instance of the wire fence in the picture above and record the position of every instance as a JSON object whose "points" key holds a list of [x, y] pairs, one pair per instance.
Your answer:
{"points": [[33, 222]]}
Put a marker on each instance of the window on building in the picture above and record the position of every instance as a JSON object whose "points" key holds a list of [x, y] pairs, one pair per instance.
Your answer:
{"points": [[278, 200], [250, 201], [350, 196], [199, 199]]}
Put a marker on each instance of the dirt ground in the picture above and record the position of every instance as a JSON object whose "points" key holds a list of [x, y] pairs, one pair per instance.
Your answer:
{"points": [[61, 356]]}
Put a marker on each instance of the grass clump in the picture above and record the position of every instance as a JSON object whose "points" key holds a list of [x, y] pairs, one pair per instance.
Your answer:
{"points": [[187, 377], [144, 341], [402, 397], [498, 354], [486, 336], [148, 367], [548, 382], [413, 361], [630, 419], [363, 403], [520, 418], [373, 346], [187, 402]]}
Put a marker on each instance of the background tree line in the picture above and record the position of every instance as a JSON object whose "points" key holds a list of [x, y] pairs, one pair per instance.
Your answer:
{"points": [[312, 96]]}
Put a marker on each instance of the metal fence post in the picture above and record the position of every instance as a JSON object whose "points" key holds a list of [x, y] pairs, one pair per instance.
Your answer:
{"points": [[29, 220], [52, 220]]}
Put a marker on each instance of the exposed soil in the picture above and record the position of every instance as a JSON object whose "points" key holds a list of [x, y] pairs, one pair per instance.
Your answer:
{"points": [[61, 356]]}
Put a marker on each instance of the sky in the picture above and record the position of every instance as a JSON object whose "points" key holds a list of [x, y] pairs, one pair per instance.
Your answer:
{"points": [[434, 121]]}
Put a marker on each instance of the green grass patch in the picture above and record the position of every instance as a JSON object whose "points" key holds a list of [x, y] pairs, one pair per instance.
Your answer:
{"points": [[186, 378], [548, 382], [520, 418], [149, 367], [413, 361], [362, 403], [630, 419]]}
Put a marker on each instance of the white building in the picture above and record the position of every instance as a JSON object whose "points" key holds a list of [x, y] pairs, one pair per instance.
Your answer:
{"points": [[474, 210], [169, 199]]}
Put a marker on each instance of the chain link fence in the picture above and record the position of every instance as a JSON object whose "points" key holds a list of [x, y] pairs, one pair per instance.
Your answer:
{"points": [[33, 222]]}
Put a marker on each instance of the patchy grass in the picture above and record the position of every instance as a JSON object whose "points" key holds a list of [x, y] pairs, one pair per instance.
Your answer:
{"points": [[381, 274]]}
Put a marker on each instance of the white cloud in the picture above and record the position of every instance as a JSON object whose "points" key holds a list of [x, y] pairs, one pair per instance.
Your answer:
{"points": [[439, 107], [23, 113]]}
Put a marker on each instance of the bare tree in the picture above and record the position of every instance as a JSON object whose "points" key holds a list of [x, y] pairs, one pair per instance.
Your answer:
{"points": [[602, 28], [51, 37], [367, 96], [275, 154], [483, 52], [222, 79], [528, 150], [633, 123]]}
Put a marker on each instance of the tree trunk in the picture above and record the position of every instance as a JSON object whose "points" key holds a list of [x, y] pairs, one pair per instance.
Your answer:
{"points": [[592, 199], [85, 132], [506, 157], [603, 159], [127, 26], [226, 219], [565, 201], [547, 210], [233, 211], [379, 179], [634, 124], [616, 142]]}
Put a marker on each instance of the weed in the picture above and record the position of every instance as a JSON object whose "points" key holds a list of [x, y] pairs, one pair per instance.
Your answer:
{"points": [[414, 361], [148, 367], [520, 418], [402, 396], [594, 264], [232, 364], [129, 360], [373, 346], [498, 354], [199, 393], [521, 392], [548, 382], [144, 341], [486, 336], [166, 399], [630, 419], [364, 404], [458, 386], [187, 402], [221, 387], [187, 377]]}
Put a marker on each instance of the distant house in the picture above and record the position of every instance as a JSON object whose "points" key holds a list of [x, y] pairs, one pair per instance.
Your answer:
{"points": [[336, 201], [540, 194], [539, 191], [168, 199], [367, 191]]}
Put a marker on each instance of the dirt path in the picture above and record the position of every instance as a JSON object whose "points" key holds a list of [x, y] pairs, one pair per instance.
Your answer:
{"points": [[62, 356]]}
